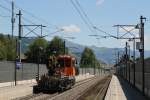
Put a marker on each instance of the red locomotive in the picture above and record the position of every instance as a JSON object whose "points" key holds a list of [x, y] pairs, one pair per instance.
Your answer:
{"points": [[60, 76]]}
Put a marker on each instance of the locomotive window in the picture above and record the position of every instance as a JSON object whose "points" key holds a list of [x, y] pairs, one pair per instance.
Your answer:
{"points": [[61, 63], [67, 63]]}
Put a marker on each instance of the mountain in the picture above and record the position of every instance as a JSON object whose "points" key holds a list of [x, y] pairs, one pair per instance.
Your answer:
{"points": [[25, 43], [103, 54]]}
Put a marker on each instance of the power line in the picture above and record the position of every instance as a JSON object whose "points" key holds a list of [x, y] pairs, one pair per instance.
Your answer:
{"points": [[81, 15], [5, 8], [32, 15], [85, 14], [27, 20], [104, 32], [87, 20], [4, 16]]}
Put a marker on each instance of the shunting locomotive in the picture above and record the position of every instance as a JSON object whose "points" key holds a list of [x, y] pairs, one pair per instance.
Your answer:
{"points": [[61, 74]]}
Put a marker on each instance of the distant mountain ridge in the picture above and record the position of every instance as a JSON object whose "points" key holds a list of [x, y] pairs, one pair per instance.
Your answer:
{"points": [[104, 54]]}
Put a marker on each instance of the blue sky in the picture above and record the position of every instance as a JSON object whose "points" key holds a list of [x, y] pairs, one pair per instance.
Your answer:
{"points": [[61, 13]]}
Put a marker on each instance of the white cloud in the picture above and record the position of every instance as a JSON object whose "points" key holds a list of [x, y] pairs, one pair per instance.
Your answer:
{"points": [[99, 2], [71, 28]]}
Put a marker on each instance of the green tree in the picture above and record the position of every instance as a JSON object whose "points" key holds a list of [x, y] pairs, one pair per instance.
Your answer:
{"points": [[7, 50], [88, 58], [36, 49], [56, 47], [3, 53]]}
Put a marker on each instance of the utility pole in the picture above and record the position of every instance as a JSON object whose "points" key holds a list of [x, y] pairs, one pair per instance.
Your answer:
{"points": [[129, 62], [18, 51], [12, 32], [42, 29], [133, 62], [118, 63], [126, 60], [142, 52], [20, 27], [15, 72], [12, 19]]}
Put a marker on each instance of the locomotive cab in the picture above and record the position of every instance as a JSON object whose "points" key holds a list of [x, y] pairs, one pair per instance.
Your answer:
{"points": [[60, 76]]}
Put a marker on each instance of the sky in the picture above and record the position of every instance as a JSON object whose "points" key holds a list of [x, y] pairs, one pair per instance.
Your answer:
{"points": [[61, 14]]}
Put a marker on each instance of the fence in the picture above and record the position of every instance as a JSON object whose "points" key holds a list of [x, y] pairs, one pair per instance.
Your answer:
{"points": [[29, 71], [128, 74]]}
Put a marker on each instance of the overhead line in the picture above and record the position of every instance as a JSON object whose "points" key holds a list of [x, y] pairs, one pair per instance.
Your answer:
{"points": [[82, 17], [32, 15], [5, 8], [88, 19], [27, 20], [85, 14], [4, 16], [104, 32]]}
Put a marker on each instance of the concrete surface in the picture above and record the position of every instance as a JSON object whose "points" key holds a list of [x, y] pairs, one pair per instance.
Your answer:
{"points": [[25, 88], [121, 90]]}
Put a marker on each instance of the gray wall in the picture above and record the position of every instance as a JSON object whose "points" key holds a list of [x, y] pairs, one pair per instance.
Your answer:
{"points": [[138, 75], [29, 71]]}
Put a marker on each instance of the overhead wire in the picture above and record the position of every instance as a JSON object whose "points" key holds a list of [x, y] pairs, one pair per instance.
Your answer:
{"points": [[5, 8], [87, 18], [78, 8], [29, 21], [84, 13], [4, 16], [93, 28], [33, 16], [81, 15]]}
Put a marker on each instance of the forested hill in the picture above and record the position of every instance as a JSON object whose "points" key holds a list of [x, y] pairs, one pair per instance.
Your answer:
{"points": [[103, 54], [107, 55]]}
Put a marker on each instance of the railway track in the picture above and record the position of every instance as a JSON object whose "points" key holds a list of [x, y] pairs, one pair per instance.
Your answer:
{"points": [[46, 96], [80, 91], [97, 91], [77, 92]]}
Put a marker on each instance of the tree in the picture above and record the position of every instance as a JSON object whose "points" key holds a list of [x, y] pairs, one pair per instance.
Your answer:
{"points": [[56, 47], [3, 53], [36, 49], [7, 47], [88, 58]]}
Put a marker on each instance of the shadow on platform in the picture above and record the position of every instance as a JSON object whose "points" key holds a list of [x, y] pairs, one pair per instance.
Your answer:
{"points": [[131, 92]]}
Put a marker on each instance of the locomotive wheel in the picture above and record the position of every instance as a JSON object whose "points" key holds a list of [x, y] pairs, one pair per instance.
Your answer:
{"points": [[36, 89], [61, 88]]}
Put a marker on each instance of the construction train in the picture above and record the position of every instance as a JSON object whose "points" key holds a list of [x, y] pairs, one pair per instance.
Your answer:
{"points": [[60, 76]]}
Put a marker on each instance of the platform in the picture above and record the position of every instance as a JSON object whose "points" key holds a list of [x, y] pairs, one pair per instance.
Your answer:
{"points": [[25, 88], [121, 90]]}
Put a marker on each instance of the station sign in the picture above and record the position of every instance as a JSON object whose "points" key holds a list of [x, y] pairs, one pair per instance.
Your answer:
{"points": [[18, 64]]}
